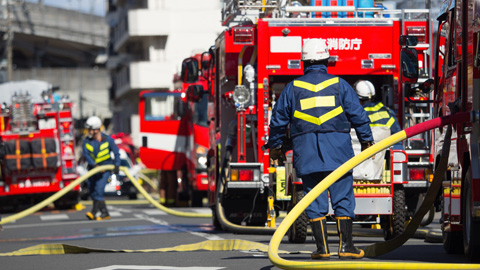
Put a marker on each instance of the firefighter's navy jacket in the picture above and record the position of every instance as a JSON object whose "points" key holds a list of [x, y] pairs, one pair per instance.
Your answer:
{"points": [[382, 116], [98, 153], [320, 108]]}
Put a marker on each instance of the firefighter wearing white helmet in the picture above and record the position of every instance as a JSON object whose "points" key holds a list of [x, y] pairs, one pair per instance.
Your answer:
{"points": [[320, 109], [97, 149], [93, 122], [379, 114]]}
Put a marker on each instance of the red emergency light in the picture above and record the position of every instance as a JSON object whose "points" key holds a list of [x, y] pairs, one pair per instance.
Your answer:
{"points": [[241, 175], [418, 31], [243, 35], [417, 174]]}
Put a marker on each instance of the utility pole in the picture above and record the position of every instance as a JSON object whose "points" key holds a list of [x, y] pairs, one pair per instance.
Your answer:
{"points": [[9, 41]]}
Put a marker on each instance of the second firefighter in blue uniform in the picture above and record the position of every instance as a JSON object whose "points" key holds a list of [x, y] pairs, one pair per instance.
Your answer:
{"points": [[96, 151]]}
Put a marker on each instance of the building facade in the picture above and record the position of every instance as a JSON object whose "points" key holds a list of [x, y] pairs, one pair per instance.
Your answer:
{"points": [[148, 41]]}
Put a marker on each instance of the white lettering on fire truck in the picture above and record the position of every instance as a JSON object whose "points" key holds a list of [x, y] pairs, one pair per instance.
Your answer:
{"points": [[343, 44]]}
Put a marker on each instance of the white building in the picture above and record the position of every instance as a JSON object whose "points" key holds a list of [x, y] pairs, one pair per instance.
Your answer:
{"points": [[148, 41]]}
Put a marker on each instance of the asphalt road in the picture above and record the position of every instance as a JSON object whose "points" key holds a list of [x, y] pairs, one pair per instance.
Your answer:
{"points": [[141, 226]]}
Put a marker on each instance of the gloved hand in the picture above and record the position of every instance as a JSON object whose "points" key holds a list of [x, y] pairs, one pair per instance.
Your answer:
{"points": [[276, 154], [116, 169], [365, 145]]}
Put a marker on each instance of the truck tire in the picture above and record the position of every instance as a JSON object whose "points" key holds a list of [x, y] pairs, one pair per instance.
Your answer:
{"points": [[452, 242], [298, 231], [471, 227], [395, 224]]}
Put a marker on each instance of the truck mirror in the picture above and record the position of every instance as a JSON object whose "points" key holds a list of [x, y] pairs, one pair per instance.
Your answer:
{"points": [[408, 41], [189, 73], [195, 92], [409, 62]]}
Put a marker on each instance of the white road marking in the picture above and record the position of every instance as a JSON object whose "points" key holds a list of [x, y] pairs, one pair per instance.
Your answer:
{"points": [[154, 212], [115, 214], [202, 210], [54, 217], [142, 267]]}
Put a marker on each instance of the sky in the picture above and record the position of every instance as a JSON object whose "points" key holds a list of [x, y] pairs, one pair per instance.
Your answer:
{"points": [[96, 7]]}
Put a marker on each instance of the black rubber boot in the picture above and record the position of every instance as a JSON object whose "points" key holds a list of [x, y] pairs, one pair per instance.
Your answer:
{"points": [[346, 248], [319, 229], [103, 210], [91, 215]]}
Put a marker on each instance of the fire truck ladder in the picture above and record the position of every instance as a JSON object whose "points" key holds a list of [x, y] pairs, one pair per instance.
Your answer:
{"points": [[420, 146]]}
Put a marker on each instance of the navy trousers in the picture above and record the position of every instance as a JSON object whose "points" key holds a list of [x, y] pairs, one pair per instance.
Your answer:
{"points": [[341, 196]]}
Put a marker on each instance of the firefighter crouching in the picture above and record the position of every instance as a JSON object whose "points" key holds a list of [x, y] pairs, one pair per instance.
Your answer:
{"points": [[320, 108], [96, 150], [379, 114]]}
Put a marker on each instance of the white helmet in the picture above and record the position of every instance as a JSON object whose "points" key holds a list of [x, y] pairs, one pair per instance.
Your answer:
{"points": [[364, 89], [314, 49], [93, 122]]}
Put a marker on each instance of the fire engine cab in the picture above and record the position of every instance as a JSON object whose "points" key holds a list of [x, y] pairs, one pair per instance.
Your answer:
{"points": [[258, 54], [37, 136]]}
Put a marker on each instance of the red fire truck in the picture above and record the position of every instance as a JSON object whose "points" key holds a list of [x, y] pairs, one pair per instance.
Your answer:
{"points": [[456, 88], [175, 137], [259, 53], [37, 136]]}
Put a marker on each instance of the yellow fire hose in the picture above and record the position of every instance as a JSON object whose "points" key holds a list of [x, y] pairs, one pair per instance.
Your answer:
{"points": [[82, 178], [335, 175]]}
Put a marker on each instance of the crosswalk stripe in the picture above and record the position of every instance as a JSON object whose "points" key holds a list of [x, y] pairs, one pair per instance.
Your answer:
{"points": [[54, 217], [154, 212]]}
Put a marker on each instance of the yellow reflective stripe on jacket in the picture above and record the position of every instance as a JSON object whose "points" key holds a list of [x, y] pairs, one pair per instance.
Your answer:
{"points": [[317, 87], [321, 101], [374, 117], [318, 120], [388, 124], [103, 146], [89, 147], [100, 159], [103, 155], [374, 108]]}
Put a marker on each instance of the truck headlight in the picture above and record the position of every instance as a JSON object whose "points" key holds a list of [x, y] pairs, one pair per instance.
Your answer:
{"points": [[249, 72], [241, 97], [201, 156]]}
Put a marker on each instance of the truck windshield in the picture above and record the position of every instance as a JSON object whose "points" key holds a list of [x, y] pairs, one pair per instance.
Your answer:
{"points": [[162, 106], [200, 114]]}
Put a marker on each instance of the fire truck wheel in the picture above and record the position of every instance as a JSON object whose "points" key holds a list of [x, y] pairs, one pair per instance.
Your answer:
{"points": [[298, 231], [215, 221], [452, 242], [471, 227], [394, 225]]}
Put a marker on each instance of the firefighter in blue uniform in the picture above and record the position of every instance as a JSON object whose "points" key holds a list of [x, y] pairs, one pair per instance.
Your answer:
{"points": [[379, 114], [320, 109], [96, 150]]}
